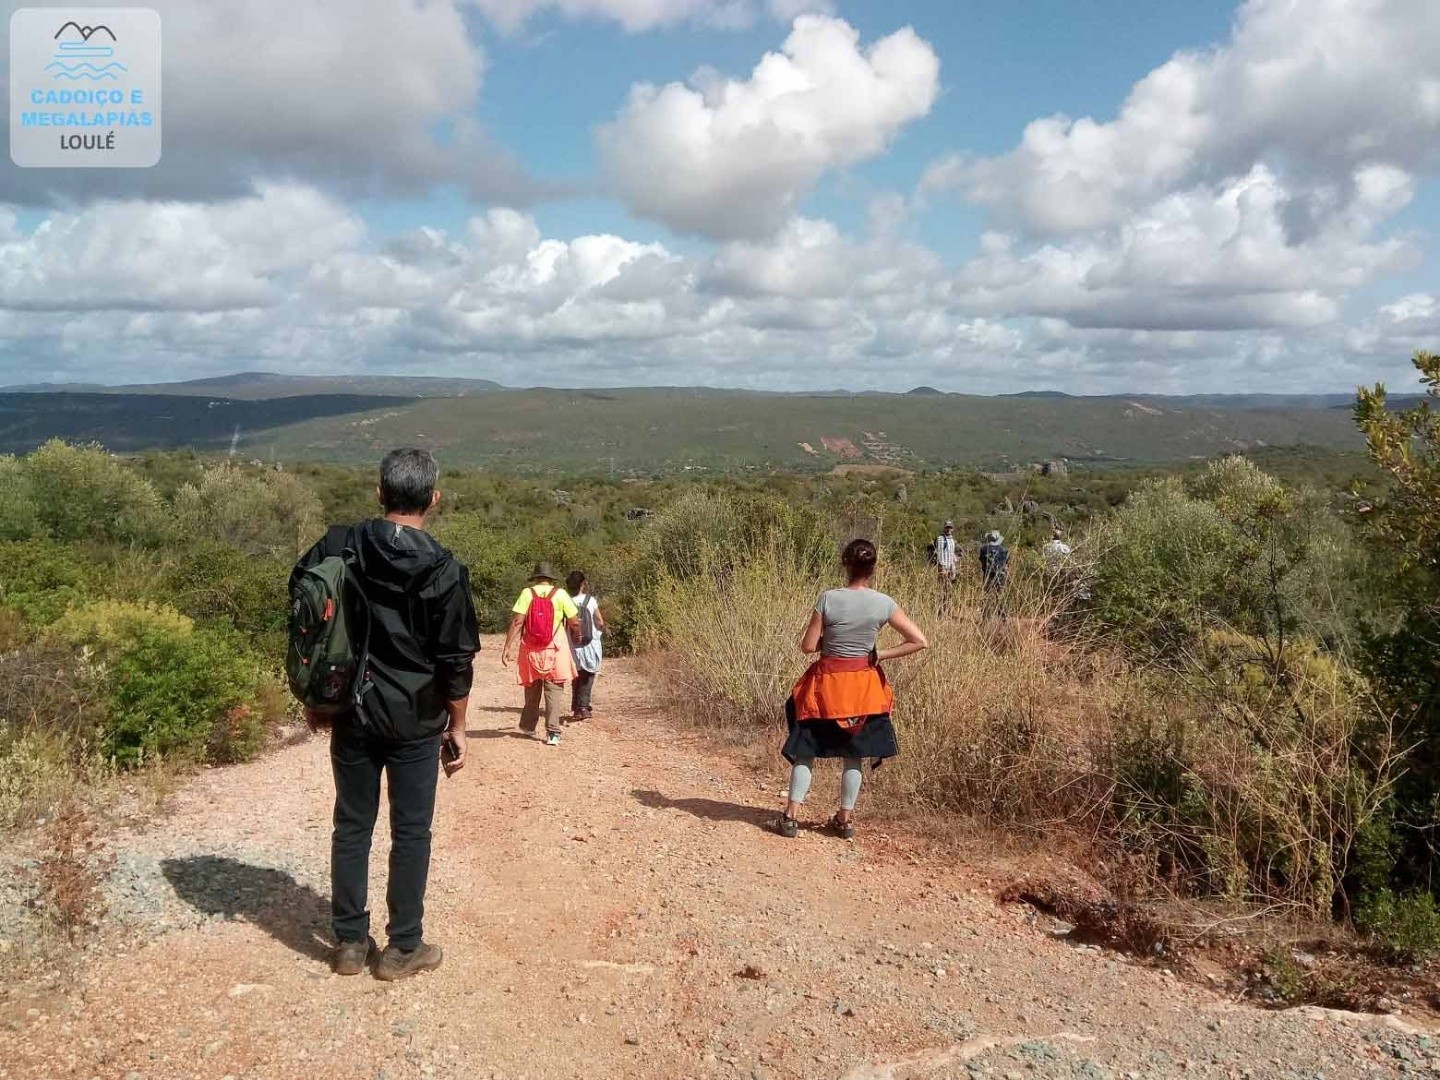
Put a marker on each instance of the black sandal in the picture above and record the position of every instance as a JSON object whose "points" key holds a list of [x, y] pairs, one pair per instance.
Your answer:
{"points": [[787, 827], [844, 829]]}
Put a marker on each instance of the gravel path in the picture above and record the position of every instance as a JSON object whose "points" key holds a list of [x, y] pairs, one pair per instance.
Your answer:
{"points": [[616, 908]]}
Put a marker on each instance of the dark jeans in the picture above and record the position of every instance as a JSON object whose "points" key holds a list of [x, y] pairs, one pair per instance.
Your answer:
{"points": [[580, 691], [411, 769]]}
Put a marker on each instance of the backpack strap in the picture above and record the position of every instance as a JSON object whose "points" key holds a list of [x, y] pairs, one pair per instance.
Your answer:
{"points": [[351, 559]]}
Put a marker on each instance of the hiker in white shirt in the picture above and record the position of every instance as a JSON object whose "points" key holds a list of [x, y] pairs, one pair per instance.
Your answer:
{"points": [[585, 633], [946, 552], [1056, 552]]}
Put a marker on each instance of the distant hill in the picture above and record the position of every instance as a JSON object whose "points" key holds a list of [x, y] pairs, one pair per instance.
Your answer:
{"points": [[658, 431], [127, 422], [665, 430], [264, 385]]}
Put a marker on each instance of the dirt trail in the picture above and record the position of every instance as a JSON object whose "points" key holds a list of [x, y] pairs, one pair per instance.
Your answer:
{"points": [[615, 907]]}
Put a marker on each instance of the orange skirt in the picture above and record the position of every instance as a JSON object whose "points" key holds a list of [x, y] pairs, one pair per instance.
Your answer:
{"points": [[554, 663], [846, 689]]}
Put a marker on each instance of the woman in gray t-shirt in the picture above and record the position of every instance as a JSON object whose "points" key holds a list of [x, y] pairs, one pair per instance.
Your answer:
{"points": [[841, 706]]}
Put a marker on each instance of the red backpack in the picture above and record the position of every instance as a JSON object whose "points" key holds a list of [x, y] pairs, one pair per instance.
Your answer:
{"points": [[539, 629]]}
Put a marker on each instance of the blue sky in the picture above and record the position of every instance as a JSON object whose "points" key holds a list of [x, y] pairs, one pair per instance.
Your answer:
{"points": [[815, 193]]}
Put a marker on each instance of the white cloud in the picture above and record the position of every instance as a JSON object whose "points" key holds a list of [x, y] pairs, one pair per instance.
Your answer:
{"points": [[161, 256], [350, 96], [1318, 90], [731, 159], [1398, 329], [1202, 259], [1249, 186], [289, 280], [787, 11]]}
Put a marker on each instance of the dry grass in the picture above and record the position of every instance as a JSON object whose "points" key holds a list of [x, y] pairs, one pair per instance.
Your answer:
{"points": [[67, 879], [1217, 783]]}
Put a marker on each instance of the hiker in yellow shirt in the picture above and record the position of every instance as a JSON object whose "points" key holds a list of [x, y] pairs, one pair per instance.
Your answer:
{"points": [[538, 637]]}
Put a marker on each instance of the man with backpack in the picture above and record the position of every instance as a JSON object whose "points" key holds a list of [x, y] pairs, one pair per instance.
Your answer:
{"points": [[538, 639], [383, 636], [994, 561]]}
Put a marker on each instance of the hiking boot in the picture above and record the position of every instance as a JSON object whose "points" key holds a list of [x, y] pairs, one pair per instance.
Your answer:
{"points": [[788, 827], [843, 829], [398, 964], [351, 957], [552, 739]]}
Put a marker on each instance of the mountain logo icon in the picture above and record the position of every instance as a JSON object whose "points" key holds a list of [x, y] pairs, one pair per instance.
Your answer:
{"points": [[85, 32], [87, 58]]}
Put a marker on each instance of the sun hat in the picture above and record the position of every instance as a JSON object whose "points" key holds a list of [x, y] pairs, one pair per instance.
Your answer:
{"points": [[993, 537], [543, 572]]}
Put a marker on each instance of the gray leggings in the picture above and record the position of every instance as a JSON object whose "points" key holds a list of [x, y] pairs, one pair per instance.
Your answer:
{"points": [[802, 771]]}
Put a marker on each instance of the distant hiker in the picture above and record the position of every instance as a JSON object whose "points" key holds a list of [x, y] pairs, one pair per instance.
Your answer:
{"points": [[413, 677], [586, 631], [1064, 578], [994, 560], [537, 636], [841, 706], [946, 553], [1056, 552]]}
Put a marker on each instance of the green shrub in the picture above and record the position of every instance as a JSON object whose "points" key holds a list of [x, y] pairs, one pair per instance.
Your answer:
{"points": [[499, 559], [19, 517], [1163, 571], [170, 693], [38, 770], [216, 584], [40, 579], [1404, 527], [82, 493], [112, 627], [1230, 548], [1404, 925], [707, 532], [256, 511]]}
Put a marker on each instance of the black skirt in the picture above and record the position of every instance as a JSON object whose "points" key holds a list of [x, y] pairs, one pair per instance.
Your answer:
{"points": [[827, 739]]}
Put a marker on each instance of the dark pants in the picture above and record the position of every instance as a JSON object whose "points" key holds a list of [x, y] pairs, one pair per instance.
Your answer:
{"points": [[411, 769], [580, 691]]}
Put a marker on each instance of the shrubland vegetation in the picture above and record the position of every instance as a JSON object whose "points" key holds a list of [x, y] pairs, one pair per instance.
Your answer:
{"points": [[1231, 689]]}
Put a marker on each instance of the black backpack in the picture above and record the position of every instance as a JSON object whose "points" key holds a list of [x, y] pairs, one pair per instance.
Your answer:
{"points": [[586, 633]]}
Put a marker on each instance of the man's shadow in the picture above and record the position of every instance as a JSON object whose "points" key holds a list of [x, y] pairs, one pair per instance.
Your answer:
{"points": [[293, 914], [709, 809]]}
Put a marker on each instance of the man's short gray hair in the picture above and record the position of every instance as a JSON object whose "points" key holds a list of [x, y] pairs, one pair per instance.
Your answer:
{"points": [[407, 481]]}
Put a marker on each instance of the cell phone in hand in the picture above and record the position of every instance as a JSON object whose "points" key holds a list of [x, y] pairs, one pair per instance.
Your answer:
{"points": [[448, 756]]}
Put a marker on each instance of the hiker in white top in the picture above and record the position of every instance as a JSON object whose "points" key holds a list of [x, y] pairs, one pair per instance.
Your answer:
{"points": [[945, 552], [585, 634], [1056, 552]]}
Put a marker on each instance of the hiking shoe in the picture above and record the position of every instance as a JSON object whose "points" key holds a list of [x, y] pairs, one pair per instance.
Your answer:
{"points": [[553, 739], [351, 957], [843, 829], [788, 827], [397, 964]]}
